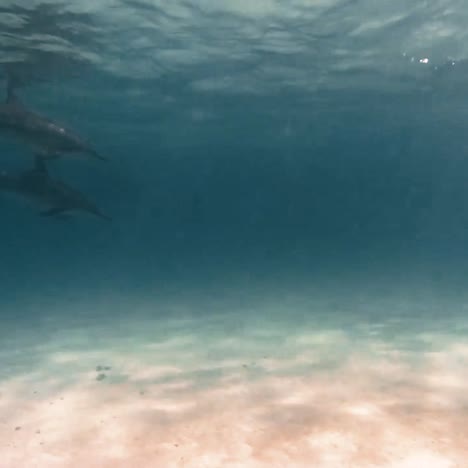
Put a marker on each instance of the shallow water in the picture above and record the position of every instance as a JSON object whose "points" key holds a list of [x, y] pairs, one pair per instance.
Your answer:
{"points": [[283, 283]]}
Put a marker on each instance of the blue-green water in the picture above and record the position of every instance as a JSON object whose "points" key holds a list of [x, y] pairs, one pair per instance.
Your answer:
{"points": [[283, 282]]}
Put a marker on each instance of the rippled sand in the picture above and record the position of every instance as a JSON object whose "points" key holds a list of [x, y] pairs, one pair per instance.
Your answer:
{"points": [[238, 390]]}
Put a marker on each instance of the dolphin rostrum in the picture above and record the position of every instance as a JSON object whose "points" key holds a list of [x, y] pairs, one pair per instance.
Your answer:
{"points": [[37, 185], [49, 138]]}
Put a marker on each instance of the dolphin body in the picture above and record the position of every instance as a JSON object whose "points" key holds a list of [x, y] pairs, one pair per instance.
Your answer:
{"points": [[58, 197], [50, 139]]}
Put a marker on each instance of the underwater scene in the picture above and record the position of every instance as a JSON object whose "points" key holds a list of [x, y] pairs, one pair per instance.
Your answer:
{"points": [[234, 234]]}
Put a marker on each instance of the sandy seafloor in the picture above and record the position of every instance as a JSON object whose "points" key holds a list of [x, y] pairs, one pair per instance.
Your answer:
{"points": [[299, 380]]}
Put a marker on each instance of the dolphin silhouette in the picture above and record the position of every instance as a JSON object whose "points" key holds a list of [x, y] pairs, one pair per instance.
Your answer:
{"points": [[37, 185], [49, 138]]}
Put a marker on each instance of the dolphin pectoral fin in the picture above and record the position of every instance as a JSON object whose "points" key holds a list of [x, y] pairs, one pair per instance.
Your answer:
{"points": [[100, 214], [96, 155], [105, 217], [53, 211], [44, 154]]}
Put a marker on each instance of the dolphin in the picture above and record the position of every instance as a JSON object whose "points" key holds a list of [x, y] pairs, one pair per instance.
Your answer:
{"points": [[37, 185], [49, 138]]}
